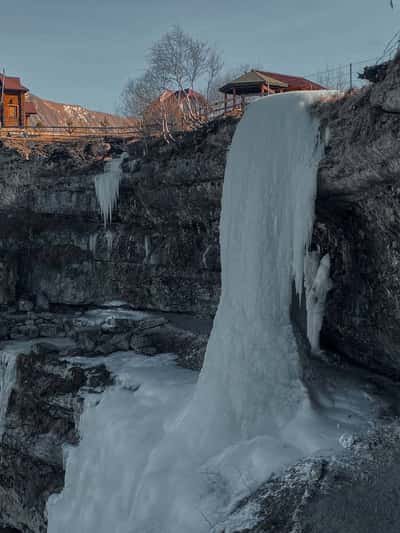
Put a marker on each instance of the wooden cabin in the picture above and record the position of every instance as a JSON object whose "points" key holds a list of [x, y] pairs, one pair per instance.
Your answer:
{"points": [[176, 110], [261, 83], [30, 111], [14, 109]]}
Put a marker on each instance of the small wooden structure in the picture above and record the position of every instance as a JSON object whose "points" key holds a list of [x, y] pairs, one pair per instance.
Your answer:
{"points": [[175, 110], [261, 83], [30, 110], [14, 109]]}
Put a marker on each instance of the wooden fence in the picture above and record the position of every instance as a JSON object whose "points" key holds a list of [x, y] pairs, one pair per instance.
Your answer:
{"points": [[71, 132], [51, 133]]}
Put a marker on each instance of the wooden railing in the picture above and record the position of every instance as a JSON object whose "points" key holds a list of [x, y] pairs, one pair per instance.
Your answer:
{"points": [[219, 109], [51, 133], [71, 131]]}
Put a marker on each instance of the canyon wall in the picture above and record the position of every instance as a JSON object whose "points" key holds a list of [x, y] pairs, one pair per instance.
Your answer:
{"points": [[161, 251]]}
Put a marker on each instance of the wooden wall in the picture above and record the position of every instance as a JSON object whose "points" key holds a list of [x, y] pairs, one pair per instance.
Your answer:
{"points": [[14, 110]]}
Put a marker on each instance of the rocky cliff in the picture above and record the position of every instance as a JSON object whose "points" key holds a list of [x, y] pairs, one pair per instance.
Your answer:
{"points": [[358, 223], [161, 253]]}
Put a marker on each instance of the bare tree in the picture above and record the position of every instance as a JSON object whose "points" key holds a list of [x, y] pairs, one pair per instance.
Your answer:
{"points": [[214, 70], [178, 61], [178, 64], [138, 94]]}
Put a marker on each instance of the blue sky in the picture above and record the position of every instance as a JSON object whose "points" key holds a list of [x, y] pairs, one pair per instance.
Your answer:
{"points": [[83, 51]]}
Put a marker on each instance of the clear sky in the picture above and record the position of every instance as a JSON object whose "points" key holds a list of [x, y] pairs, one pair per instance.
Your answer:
{"points": [[83, 51]]}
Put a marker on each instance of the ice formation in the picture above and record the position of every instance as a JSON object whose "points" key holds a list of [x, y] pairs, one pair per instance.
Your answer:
{"points": [[317, 284], [8, 369], [107, 188], [145, 466], [93, 243], [118, 437], [251, 374]]}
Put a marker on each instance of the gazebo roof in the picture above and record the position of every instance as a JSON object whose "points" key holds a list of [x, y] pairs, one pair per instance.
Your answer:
{"points": [[251, 82]]}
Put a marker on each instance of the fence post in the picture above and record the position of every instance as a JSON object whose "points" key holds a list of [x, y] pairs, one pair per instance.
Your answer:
{"points": [[351, 76]]}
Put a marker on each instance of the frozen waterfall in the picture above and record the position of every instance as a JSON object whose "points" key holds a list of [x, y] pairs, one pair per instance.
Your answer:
{"points": [[107, 188], [182, 464], [251, 374]]}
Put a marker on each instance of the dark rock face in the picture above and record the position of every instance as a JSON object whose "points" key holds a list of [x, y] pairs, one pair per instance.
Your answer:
{"points": [[161, 251], [43, 407], [171, 200], [358, 223], [36, 182]]}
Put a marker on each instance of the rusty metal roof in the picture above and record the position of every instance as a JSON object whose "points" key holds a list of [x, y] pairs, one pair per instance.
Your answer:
{"points": [[293, 81], [257, 78], [253, 78]]}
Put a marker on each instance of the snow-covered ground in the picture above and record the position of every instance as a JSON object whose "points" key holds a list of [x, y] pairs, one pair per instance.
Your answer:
{"points": [[161, 454]]}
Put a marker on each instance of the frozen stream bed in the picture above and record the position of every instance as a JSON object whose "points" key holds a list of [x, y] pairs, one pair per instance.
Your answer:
{"points": [[123, 430]]}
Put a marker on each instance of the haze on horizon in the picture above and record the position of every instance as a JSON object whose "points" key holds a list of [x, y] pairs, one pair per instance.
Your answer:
{"points": [[83, 51]]}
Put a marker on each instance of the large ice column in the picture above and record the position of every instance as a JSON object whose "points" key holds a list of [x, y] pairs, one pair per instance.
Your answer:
{"points": [[107, 188], [250, 381]]}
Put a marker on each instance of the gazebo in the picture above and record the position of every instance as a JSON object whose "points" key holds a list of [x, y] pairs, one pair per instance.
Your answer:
{"points": [[260, 83]]}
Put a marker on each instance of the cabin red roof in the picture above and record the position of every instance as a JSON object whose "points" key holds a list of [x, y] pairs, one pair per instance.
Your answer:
{"points": [[30, 108], [13, 84], [293, 81], [252, 83]]}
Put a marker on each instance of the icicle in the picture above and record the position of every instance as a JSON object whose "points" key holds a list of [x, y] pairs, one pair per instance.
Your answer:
{"points": [[107, 188], [8, 364], [317, 284], [109, 237], [93, 243]]}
